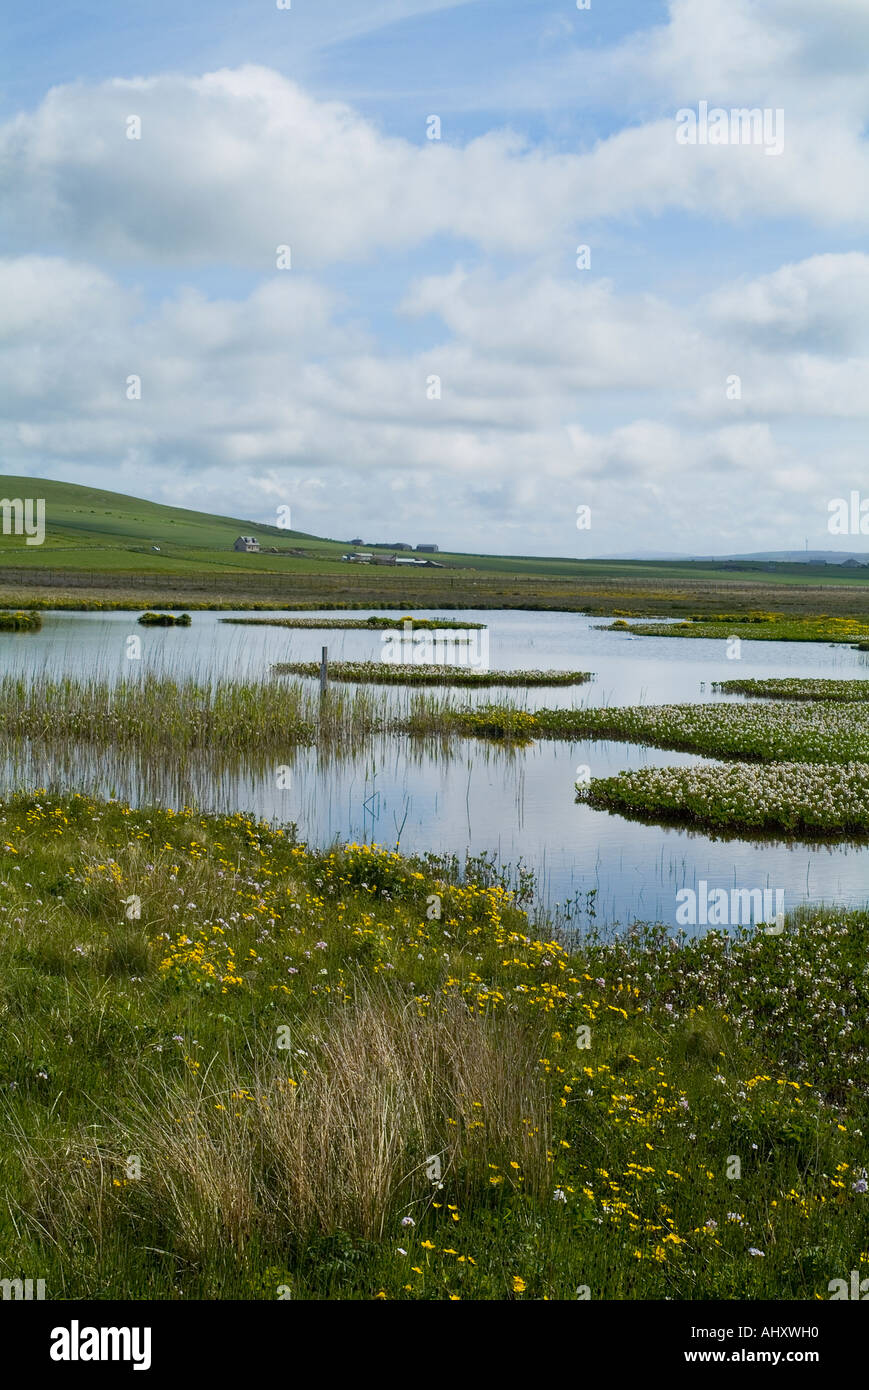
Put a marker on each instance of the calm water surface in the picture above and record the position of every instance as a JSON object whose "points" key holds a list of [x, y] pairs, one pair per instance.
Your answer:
{"points": [[516, 805]]}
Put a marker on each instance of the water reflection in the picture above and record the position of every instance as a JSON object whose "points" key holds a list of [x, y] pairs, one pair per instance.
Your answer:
{"points": [[455, 797], [468, 797]]}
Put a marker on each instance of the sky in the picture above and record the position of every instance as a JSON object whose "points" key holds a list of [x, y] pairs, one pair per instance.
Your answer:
{"points": [[444, 271]]}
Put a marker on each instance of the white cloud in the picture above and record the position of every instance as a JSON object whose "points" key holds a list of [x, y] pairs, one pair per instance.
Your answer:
{"points": [[823, 300], [233, 164], [554, 394]]}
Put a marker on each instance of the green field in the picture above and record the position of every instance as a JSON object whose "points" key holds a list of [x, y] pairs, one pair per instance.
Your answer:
{"points": [[99, 552]]}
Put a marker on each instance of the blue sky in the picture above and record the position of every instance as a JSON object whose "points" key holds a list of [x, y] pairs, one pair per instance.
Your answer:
{"points": [[456, 259]]}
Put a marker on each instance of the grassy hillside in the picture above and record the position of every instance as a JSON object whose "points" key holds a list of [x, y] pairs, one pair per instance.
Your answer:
{"points": [[92, 529]]}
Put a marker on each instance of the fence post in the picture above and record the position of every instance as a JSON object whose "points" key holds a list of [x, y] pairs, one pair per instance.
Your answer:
{"points": [[324, 670]]}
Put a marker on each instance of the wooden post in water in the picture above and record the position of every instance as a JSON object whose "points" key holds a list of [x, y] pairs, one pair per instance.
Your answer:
{"points": [[324, 670]]}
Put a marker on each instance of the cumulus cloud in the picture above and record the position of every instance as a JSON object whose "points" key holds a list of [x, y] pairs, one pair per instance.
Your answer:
{"points": [[552, 395], [555, 388], [797, 53], [233, 164]]}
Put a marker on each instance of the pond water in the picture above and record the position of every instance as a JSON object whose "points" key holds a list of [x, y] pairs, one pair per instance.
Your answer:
{"points": [[516, 805]]}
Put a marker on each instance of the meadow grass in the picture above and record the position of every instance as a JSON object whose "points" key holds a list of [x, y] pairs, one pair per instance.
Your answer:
{"points": [[227, 1063], [630, 590]]}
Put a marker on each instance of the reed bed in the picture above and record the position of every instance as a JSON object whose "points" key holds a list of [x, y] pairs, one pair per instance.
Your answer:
{"points": [[160, 714]]}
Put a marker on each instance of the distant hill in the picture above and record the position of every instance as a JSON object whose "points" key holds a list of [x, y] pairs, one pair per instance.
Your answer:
{"points": [[805, 557], [783, 557]]}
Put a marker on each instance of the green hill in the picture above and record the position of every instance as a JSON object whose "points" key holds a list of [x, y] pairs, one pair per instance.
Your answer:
{"points": [[89, 528]]}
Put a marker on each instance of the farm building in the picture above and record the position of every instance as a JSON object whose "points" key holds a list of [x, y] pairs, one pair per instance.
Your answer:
{"points": [[429, 549], [247, 543]]}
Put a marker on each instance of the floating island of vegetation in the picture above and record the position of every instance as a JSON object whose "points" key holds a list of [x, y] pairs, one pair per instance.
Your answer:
{"points": [[20, 622], [371, 624], [165, 620], [384, 673], [819, 732], [797, 688], [807, 799], [754, 627]]}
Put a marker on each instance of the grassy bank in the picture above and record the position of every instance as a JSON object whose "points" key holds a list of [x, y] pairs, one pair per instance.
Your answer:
{"points": [[228, 1062], [754, 627], [108, 550], [806, 799]]}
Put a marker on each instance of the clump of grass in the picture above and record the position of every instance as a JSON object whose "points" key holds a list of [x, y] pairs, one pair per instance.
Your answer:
{"points": [[822, 731], [165, 619], [20, 622]]}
